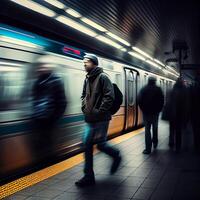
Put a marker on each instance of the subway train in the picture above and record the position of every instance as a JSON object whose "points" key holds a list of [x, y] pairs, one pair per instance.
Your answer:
{"points": [[18, 52]]}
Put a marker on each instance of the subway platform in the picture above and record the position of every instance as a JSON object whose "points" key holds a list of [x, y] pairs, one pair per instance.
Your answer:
{"points": [[162, 175]]}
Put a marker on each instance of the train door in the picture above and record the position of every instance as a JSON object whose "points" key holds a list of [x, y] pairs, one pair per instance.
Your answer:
{"points": [[162, 84], [130, 98], [145, 79], [141, 82]]}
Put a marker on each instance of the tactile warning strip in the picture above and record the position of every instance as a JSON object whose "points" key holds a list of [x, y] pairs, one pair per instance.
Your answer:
{"points": [[36, 177]]}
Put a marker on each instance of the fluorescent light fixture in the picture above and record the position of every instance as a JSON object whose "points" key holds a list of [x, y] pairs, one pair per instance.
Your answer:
{"points": [[73, 24], [9, 69], [153, 63], [176, 75], [136, 55], [142, 52], [35, 7], [93, 24], [10, 64], [175, 71], [18, 42], [170, 72], [160, 63], [109, 42], [56, 3], [123, 49], [164, 70], [73, 13], [170, 68], [118, 38]]}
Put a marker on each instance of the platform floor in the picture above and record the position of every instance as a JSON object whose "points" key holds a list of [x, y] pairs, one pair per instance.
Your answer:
{"points": [[163, 175]]}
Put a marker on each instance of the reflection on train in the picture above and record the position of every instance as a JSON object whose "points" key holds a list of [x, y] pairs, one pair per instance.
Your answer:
{"points": [[17, 75]]}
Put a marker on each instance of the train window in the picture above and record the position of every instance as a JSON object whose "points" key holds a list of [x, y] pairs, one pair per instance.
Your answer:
{"points": [[15, 91], [130, 92], [165, 87], [108, 64], [168, 86], [118, 79], [139, 83], [74, 86], [162, 84], [131, 89], [145, 79], [134, 88], [12, 83]]}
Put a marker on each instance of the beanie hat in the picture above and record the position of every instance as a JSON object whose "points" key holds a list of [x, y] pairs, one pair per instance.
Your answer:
{"points": [[92, 57]]}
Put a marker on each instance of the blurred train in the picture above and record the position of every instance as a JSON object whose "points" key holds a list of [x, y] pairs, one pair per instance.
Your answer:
{"points": [[18, 52]]}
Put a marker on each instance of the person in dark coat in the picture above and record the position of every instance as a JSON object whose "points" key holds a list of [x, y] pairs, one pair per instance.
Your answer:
{"points": [[194, 111], [178, 113], [151, 100], [49, 104], [97, 100]]}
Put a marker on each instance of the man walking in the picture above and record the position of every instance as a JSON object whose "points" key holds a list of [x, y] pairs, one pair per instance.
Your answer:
{"points": [[97, 100], [151, 101]]}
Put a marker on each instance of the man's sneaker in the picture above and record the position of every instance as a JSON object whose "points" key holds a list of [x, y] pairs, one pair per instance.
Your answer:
{"points": [[85, 181], [115, 164], [146, 152]]}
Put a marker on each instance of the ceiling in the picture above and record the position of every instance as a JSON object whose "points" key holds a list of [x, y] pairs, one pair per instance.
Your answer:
{"points": [[151, 25]]}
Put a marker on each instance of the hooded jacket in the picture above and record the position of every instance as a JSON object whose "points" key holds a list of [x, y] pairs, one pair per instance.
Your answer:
{"points": [[97, 96]]}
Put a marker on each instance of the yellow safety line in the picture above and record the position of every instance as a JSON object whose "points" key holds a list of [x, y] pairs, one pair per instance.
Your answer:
{"points": [[36, 177]]}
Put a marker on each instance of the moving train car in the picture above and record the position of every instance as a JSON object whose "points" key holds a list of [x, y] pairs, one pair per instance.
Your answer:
{"points": [[19, 50]]}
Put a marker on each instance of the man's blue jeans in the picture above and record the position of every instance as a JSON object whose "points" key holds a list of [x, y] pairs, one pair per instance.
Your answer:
{"points": [[96, 132]]}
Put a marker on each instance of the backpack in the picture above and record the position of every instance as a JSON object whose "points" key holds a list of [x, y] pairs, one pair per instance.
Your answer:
{"points": [[117, 100]]}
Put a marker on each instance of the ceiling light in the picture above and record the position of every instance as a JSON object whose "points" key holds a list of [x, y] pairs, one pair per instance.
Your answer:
{"points": [[69, 22], [172, 73], [123, 49], [73, 13], [142, 52], [170, 68], [159, 62], [134, 54], [118, 38], [153, 63], [164, 70], [35, 7], [108, 41], [56, 3], [93, 24]]}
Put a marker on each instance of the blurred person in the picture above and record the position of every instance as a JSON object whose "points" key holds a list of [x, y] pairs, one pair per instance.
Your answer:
{"points": [[151, 100], [49, 103], [177, 113], [195, 110], [97, 100]]}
